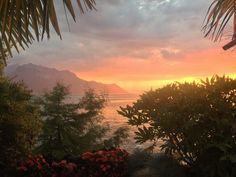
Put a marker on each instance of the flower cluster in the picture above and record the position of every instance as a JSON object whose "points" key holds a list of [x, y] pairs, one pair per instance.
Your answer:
{"points": [[38, 167], [35, 166], [63, 169], [112, 163]]}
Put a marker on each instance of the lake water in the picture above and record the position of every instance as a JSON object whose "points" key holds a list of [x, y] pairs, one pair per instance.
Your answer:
{"points": [[115, 120]]}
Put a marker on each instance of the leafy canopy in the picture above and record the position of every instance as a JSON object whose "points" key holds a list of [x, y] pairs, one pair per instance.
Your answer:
{"points": [[20, 123], [196, 122]]}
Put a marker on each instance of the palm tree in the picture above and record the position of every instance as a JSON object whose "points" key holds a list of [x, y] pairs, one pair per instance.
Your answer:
{"points": [[22, 21], [219, 14]]}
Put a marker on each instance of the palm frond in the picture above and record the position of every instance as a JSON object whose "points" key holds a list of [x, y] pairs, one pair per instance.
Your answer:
{"points": [[22, 21], [218, 16]]}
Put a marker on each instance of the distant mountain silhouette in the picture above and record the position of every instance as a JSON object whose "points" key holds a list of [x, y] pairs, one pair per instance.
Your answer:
{"points": [[40, 79]]}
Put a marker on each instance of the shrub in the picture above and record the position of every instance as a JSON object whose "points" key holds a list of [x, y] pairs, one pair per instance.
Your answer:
{"points": [[103, 163], [191, 119], [36, 166], [112, 163], [64, 169]]}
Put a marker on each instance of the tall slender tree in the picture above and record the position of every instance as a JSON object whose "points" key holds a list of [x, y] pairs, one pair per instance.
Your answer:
{"points": [[73, 128]]}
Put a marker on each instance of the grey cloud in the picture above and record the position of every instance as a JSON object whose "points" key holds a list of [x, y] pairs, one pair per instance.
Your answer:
{"points": [[121, 28], [171, 54]]}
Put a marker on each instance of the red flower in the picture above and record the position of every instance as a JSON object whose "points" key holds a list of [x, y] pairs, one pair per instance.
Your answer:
{"points": [[87, 155], [22, 168], [54, 164], [100, 152], [39, 166], [72, 165], [30, 163], [62, 163]]}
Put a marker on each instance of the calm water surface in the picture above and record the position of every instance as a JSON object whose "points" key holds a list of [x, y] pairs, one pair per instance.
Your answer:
{"points": [[115, 120]]}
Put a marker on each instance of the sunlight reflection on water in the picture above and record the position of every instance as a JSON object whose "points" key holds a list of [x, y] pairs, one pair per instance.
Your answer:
{"points": [[115, 120]]}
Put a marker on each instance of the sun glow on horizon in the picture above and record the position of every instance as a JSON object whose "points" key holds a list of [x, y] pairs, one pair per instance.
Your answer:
{"points": [[139, 86]]}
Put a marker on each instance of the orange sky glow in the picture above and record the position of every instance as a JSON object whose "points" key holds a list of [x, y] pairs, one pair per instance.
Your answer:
{"points": [[138, 75]]}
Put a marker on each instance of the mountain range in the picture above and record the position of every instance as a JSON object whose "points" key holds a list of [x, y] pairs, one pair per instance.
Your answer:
{"points": [[40, 79]]}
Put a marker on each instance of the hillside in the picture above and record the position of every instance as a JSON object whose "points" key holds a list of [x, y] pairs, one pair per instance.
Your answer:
{"points": [[40, 79]]}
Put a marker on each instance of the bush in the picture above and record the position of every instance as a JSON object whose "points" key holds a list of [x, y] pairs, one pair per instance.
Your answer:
{"points": [[64, 169], [36, 166], [103, 163], [196, 123], [111, 163]]}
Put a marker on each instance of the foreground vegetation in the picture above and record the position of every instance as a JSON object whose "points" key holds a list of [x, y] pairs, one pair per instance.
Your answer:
{"points": [[48, 136], [195, 121], [50, 126]]}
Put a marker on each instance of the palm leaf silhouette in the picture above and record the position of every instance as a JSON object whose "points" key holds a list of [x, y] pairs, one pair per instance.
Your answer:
{"points": [[219, 14], [23, 21]]}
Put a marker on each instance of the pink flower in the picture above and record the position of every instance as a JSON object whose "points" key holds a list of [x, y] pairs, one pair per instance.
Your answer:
{"points": [[54, 164], [100, 152], [22, 168], [72, 165], [87, 155], [39, 166], [30, 163]]}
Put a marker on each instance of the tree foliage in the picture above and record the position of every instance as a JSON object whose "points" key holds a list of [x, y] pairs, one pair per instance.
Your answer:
{"points": [[195, 121], [218, 16], [73, 128], [19, 122], [21, 21]]}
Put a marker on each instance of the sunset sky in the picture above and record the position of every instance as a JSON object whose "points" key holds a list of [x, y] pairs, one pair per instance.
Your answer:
{"points": [[137, 44]]}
